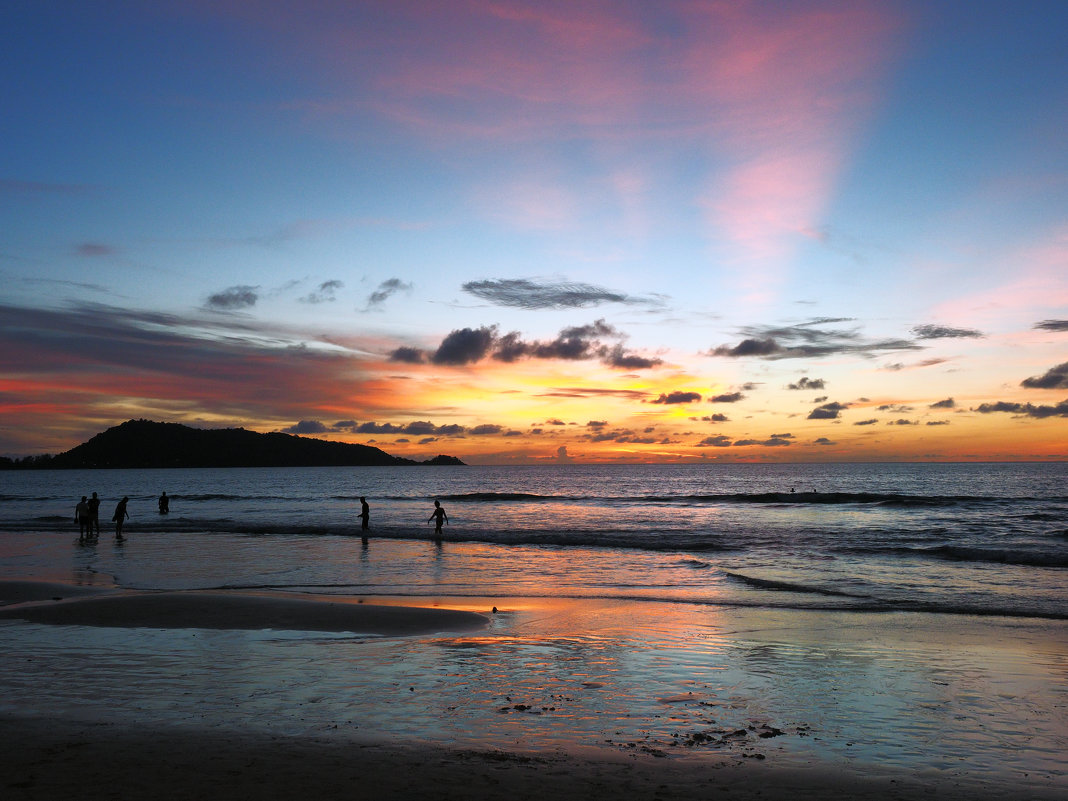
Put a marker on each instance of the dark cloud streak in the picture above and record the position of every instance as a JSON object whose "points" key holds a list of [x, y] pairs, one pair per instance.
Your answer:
{"points": [[945, 332], [575, 343], [805, 340], [677, 397], [1025, 409], [385, 291], [235, 297], [525, 293], [1054, 378], [1052, 325]]}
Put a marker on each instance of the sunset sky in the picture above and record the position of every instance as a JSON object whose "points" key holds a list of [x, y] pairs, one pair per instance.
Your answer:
{"points": [[521, 232]]}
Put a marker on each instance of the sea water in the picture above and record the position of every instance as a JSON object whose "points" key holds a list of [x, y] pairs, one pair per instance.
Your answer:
{"points": [[981, 539]]}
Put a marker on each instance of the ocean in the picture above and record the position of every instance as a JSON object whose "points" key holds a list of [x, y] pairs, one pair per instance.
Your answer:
{"points": [[973, 539]]}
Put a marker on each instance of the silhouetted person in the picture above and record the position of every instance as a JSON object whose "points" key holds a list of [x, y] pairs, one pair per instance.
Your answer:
{"points": [[120, 516], [94, 516], [438, 517], [83, 518], [365, 515], [164, 504]]}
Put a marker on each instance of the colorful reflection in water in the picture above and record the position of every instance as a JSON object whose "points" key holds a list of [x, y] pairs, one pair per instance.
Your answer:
{"points": [[677, 680]]}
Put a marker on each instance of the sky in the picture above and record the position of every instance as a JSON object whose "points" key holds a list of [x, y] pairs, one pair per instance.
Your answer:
{"points": [[540, 232]]}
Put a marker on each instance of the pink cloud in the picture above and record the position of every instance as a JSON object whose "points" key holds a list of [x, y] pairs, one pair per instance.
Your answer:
{"points": [[790, 92], [775, 94], [1038, 288]]}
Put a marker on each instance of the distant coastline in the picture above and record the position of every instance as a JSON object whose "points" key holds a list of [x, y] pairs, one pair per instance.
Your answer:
{"points": [[146, 444]]}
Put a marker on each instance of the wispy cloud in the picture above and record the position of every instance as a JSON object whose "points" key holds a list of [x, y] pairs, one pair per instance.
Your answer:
{"points": [[385, 291], [324, 293], [95, 249], [594, 392], [896, 367], [774, 96], [110, 358]]}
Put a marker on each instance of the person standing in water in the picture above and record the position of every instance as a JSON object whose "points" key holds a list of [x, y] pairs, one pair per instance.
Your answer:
{"points": [[365, 517], [438, 517], [164, 504], [83, 519], [94, 517], [120, 516]]}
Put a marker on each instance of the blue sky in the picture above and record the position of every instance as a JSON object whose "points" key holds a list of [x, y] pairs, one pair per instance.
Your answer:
{"points": [[275, 215]]}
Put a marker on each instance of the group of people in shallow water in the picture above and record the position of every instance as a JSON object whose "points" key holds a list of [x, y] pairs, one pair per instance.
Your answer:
{"points": [[438, 516], [87, 516]]}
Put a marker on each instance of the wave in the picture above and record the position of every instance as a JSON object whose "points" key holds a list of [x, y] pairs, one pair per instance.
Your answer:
{"points": [[696, 564], [788, 498], [791, 498], [1045, 516], [786, 586], [495, 497], [973, 553], [1006, 556]]}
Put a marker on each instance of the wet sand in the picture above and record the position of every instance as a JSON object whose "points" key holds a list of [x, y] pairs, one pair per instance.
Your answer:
{"points": [[228, 695], [60, 605], [42, 760]]}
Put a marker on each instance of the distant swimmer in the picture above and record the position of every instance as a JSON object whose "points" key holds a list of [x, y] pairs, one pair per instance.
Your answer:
{"points": [[438, 517], [83, 518], [365, 515], [120, 516], [164, 504]]}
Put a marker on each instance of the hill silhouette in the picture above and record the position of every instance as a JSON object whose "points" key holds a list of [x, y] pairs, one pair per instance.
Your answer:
{"points": [[145, 444]]}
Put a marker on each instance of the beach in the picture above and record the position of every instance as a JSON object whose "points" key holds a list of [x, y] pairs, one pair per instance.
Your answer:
{"points": [[110, 693], [886, 631]]}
